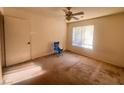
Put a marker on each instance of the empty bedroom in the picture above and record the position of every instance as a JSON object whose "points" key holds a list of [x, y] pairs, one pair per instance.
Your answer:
{"points": [[62, 45]]}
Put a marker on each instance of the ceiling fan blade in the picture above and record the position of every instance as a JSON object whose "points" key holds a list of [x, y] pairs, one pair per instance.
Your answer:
{"points": [[82, 16], [74, 18], [66, 11], [78, 13]]}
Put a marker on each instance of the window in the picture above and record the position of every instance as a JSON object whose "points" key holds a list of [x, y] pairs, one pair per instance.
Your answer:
{"points": [[83, 36]]}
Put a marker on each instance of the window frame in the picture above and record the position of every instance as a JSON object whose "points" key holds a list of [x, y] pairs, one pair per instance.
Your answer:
{"points": [[83, 31]]}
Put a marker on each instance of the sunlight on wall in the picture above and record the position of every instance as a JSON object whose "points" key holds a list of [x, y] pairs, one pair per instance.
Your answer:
{"points": [[24, 73]]}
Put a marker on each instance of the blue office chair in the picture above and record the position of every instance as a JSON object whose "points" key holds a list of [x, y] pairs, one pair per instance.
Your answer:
{"points": [[57, 50]]}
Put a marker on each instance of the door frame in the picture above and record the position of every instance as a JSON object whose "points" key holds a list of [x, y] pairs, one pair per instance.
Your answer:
{"points": [[2, 45]]}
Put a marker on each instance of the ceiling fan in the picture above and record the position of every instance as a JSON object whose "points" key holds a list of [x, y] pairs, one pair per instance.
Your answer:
{"points": [[69, 15]]}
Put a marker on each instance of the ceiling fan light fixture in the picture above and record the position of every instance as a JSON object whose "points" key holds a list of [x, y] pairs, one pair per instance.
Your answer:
{"points": [[68, 18]]}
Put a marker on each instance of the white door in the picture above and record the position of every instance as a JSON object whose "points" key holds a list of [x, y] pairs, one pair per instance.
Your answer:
{"points": [[17, 40]]}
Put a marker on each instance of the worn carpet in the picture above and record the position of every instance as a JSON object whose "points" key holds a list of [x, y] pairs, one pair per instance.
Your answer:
{"points": [[69, 69]]}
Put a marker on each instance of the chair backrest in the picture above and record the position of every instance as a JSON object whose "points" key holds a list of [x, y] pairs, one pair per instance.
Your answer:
{"points": [[56, 44]]}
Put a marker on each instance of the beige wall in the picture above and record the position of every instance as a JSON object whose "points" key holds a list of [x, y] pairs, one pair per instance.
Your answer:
{"points": [[1, 10], [108, 39], [44, 29]]}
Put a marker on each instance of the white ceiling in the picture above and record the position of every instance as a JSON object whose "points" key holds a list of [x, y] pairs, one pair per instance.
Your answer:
{"points": [[89, 12]]}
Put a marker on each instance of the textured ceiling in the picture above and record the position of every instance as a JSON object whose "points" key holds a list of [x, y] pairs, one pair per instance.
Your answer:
{"points": [[89, 12]]}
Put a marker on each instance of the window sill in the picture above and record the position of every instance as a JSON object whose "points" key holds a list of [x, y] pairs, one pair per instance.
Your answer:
{"points": [[83, 46]]}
